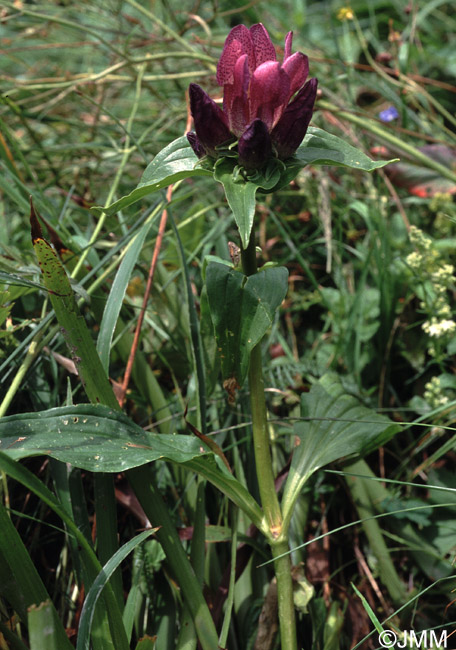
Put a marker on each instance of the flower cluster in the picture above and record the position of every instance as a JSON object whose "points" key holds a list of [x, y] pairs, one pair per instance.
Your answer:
{"points": [[257, 111], [433, 393], [437, 278], [437, 328]]}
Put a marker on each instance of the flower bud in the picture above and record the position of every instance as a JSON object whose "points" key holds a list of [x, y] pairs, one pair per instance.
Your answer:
{"points": [[255, 146], [289, 132], [210, 121]]}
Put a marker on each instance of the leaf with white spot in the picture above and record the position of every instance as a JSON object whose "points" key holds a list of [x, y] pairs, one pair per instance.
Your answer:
{"points": [[94, 438]]}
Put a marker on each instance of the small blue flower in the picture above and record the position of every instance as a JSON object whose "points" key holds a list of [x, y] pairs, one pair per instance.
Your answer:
{"points": [[389, 114]]}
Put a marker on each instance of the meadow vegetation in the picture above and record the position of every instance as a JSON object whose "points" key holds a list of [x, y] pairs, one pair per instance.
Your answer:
{"points": [[361, 349]]}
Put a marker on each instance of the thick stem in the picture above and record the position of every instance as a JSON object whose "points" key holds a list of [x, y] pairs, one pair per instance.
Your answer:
{"points": [[265, 477], [263, 460], [261, 445], [282, 568]]}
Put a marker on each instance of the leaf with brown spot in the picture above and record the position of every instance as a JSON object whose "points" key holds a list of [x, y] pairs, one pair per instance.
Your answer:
{"points": [[72, 323]]}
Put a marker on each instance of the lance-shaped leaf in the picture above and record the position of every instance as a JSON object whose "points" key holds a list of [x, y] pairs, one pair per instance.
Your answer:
{"points": [[322, 148], [95, 438], [88, 609], [74, 327], [240, 192], [173, 163], [336, 426], [20, 583], [242, 309]]}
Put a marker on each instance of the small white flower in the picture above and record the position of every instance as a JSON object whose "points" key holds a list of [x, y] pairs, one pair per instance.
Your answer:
{"points": [[414, 260], [438, 328]]}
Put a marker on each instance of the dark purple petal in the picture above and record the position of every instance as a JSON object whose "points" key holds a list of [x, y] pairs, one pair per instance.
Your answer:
{"points": [[269, 93], [255, 146], [195, 144], [210, 121], [288, 43], [291, 129], [297, 68], [262, 45], [238, 42], [235, 102]]}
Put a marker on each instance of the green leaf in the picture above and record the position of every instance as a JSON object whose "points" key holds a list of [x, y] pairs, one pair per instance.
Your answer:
{"points": [[242, 309], [99, 583], [14, 641], [171, 164], [337, 426], [178, 160], [369, 610], [20, 583], [20, 473], [195, 334], [318, 148], [94, 438], [322, 148], [45, 629], [71, 321], [213, 469], [240, 193], [116, 296]]}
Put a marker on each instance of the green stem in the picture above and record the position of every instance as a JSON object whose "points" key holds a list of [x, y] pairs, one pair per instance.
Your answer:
{"points": [[107, 541], [261, 445], [282, 568], [263, 460], [278, 539]]}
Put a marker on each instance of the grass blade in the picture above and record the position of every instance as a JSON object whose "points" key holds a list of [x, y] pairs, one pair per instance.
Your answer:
{"points": [[100, 583]]}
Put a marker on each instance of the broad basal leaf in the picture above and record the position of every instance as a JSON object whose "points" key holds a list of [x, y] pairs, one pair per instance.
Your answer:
{"points": [[171, 164], [242, 309], [336, 425], [94, 438]]}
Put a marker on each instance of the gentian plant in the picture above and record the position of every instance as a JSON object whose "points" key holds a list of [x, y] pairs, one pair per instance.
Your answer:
{"points": [[254, 145]]}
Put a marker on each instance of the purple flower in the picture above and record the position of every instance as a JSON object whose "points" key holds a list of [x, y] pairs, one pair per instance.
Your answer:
{"points": [[257, 90]]}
